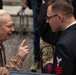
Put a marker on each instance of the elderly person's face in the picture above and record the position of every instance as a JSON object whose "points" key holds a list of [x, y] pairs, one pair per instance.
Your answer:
{"points": [[6, 28]]}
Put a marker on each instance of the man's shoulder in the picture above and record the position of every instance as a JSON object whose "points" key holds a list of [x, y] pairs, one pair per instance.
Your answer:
{"points": [[68, 37]]}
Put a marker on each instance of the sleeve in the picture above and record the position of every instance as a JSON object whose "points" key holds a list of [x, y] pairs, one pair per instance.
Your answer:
{"points": [[63, 61], [15, 64], [4, 71]]}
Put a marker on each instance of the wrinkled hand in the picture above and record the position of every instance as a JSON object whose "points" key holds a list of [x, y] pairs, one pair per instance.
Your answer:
{"points": [[4, 71], [23, 50], [49, 61]]}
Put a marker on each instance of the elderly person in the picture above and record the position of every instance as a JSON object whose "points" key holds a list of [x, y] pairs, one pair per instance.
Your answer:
{"points": [[6, 30]]}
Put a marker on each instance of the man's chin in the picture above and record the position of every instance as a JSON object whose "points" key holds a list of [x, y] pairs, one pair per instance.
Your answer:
{"points": [[7, 39]]}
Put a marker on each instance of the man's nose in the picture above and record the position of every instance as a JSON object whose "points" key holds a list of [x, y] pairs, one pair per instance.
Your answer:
{"points": [[12, 28]]}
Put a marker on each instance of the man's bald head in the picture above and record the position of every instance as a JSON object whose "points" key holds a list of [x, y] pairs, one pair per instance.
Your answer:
{"points": [[3, 11], [3, 15], [6, 25]]}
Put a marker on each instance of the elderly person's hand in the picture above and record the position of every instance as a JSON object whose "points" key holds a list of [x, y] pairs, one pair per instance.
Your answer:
{"points": [[23, 50], [4, 71]]}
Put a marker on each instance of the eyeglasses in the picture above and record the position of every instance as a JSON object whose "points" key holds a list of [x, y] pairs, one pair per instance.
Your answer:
{"points": [[9, 26], [49, 17]]}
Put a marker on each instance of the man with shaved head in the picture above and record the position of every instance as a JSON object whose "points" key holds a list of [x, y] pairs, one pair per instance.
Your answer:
{"points": [[6, 30]]}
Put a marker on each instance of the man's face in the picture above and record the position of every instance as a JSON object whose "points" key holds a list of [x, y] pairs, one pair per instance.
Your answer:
{"points": [[53, 20], [6, 28]]}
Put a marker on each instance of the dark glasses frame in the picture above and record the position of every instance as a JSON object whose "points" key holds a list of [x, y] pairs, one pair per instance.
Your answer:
{"points": [[49, 17]]}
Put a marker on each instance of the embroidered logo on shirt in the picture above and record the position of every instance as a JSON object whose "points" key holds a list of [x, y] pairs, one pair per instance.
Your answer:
{"points": [[58, 60], [58, 68], [43, 2]]}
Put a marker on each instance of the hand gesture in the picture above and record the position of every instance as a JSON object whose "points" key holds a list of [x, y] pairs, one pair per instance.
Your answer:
{"points": [[23, 50]]}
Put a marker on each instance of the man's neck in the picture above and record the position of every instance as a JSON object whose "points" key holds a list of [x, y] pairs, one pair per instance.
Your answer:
{"points": [[68, 23]]}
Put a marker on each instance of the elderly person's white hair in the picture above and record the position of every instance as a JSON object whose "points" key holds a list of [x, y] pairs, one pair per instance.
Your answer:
{"points": [[3, 11], [2, 14]]}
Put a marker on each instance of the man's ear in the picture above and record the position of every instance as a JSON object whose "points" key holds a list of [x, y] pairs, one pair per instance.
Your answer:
{"points": [[61, 18]]}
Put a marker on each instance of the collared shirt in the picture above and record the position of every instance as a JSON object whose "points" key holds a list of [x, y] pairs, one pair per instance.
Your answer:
{"points": [[2, 55], [71, 24]]}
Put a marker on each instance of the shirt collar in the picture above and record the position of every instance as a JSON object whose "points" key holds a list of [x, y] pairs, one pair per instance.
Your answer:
{"points": [[71, 24]]}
